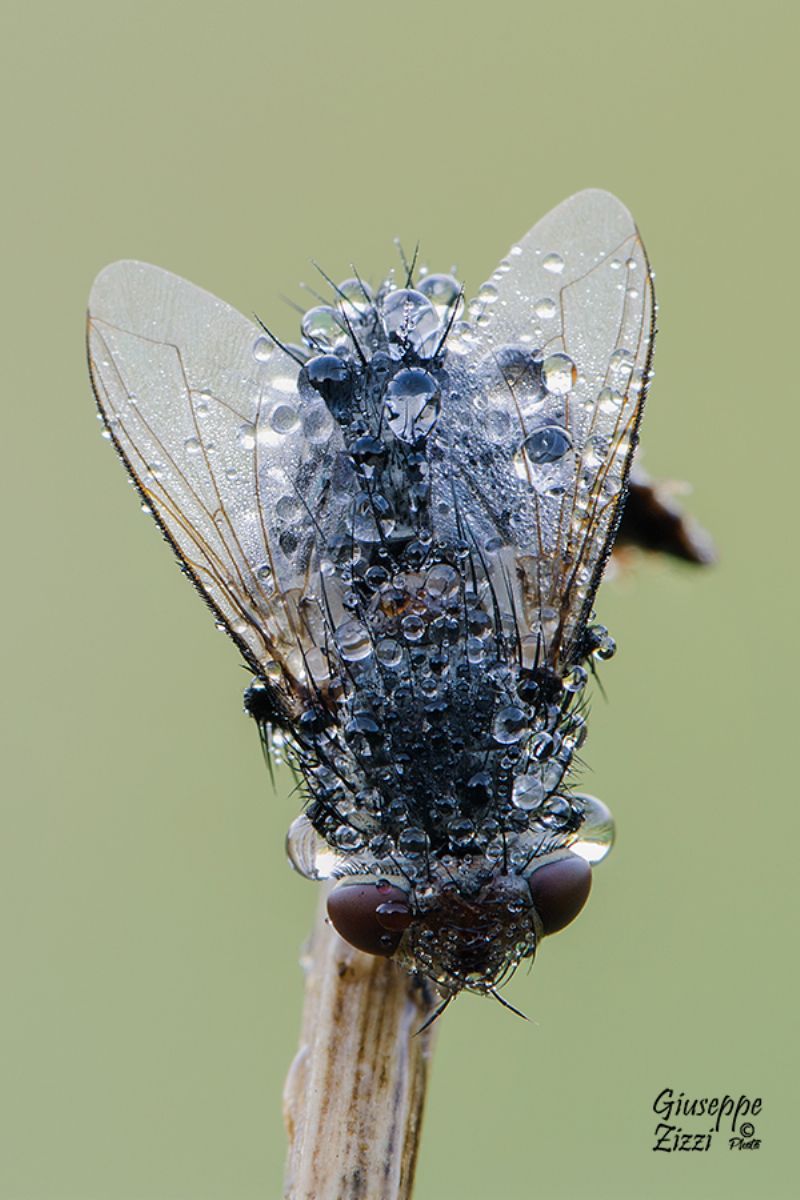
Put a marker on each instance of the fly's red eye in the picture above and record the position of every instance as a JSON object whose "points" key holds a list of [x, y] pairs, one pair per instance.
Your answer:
{"points": [[370, 916], [559, 890]]}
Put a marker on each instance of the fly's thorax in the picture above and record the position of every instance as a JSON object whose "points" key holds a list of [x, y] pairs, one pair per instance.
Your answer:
{"points": [[435, 739], [450, 765]]}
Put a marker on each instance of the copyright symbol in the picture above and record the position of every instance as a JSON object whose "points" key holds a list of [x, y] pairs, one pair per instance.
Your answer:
{"points": [[747, 1129]]}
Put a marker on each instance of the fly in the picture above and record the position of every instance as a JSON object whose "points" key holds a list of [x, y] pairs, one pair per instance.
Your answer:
{"points": [[402, 524]]}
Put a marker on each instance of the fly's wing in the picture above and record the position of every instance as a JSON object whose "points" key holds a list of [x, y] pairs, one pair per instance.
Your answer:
{"points": [[205, 412], [554, 367]]}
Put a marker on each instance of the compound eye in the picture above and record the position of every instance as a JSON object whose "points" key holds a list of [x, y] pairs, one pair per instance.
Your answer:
{"points": [[559, 890], [370, 916]]}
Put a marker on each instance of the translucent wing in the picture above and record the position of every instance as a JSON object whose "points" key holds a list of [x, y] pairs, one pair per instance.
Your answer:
{"points": [[555, 360], [205, 411]]}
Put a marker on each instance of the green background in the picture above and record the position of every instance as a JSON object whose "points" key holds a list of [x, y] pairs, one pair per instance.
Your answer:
{"points": [[149, 925]]}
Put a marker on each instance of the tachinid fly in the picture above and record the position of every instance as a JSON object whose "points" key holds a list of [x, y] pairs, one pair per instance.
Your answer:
{"points": [[402, 523]]}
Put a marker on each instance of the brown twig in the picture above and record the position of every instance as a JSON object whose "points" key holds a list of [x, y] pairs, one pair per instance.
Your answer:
{"points": [[355, 1092]]}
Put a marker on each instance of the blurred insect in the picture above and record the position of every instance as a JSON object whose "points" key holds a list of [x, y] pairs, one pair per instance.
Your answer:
{"points": [[402, 524]]}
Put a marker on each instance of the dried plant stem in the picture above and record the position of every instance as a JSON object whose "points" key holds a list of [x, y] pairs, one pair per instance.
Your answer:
{"points": [[355, 1092]]}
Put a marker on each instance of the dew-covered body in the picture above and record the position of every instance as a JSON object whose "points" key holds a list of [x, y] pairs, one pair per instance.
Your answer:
{"points": [[403, 523]]}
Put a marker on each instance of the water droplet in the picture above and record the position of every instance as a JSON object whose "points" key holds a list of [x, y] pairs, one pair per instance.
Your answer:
{"points": [[443, 291], [621, 364], [461, 831], [595, 451], [389, 652], [545, 308], [559, 374], [553, 263], [575, 735], [192, 447], [546, 445], [264, 577], [510, 725], [372, 517], [353, 641], [595, 837], [322, 328], [288, 508], [605, 647], [512, 372], [412, 841], [575, 679], [476, 650], [317, 423], [284, 418], [347, 837], [410, 319], [542, 746], [368, 453], [558, 812], [263, 349], [354, 298], [413, 404], [442, 582], [308, 851], [609, 401], [413, 627], [487, 293], [528, 792], [247, 437]]}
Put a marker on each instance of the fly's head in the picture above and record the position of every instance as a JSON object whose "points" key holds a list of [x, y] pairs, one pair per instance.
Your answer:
{"points": [[466, 934]]}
